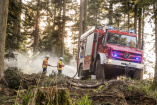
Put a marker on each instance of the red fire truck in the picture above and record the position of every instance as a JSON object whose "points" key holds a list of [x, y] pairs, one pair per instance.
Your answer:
{"points": [[108, 53]]}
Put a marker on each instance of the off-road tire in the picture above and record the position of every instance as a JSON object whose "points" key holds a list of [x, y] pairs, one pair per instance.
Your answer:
{"points": [[82, 75], [99, 70], [138, 74]]}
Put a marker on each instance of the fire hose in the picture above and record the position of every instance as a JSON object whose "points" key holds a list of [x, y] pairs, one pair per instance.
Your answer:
{"points": [[53, 66], [56, 66], [63, 66]]}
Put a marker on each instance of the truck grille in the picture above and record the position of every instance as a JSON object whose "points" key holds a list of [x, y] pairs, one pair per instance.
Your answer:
{"points": [[126, 56]]}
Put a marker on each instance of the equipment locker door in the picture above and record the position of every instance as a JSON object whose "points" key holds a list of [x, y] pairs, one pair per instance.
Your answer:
{"points": [[88, 51]]}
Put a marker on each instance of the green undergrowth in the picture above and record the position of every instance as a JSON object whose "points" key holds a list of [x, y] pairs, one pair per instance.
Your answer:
{"points": [[44, 96], [84, 101], [148, 87], [45, 92], [26, 97]]}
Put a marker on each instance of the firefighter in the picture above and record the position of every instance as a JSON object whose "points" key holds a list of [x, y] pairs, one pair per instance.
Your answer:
{"points": [[45, 64], [60, 65]]}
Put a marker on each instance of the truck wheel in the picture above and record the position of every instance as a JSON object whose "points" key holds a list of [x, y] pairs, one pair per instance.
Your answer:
{"points": [[138, 74], [82, 74], [99, 70]]}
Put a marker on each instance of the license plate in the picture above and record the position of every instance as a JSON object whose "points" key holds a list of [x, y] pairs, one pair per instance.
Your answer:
{"points": [[131, 65]]}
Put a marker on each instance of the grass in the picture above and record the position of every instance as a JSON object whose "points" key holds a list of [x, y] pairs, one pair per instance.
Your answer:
{"points": [[84, 101], [27, 97]]}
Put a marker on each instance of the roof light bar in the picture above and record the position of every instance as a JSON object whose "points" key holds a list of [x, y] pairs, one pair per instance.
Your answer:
{"points": [[131, 31], [110, 27]]}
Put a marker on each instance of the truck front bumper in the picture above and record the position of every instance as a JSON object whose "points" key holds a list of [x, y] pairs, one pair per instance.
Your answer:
{"points": [[123, 64]]}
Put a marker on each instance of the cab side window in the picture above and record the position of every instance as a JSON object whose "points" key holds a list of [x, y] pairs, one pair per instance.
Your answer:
{"points": [[89, 44]]}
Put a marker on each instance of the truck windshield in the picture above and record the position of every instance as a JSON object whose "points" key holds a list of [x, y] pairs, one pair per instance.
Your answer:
{"points": [[119, 39]]}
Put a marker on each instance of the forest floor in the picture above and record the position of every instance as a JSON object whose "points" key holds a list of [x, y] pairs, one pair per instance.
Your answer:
{"points": [[117, 92], [114, 92]]}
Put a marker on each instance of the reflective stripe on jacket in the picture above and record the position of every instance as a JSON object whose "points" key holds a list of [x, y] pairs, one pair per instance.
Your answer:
{"points": [[45, 63], [59, 65]]}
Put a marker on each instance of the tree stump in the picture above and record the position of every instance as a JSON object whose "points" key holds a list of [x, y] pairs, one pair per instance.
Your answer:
{"points": [[50, 96]]}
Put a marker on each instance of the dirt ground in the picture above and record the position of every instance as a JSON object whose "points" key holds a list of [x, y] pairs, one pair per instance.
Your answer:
{"points": [[116, 92]]}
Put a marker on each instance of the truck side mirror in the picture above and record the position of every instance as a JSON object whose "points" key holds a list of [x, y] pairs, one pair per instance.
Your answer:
{"points": [[82, 47], [95, 37], [104, 46]]}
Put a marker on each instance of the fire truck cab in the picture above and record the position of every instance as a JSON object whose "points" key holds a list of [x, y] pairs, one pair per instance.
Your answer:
{"points": [[108, 53]]}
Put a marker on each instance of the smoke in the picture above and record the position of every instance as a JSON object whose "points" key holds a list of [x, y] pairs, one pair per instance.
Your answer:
{"points": [[33, 64]]}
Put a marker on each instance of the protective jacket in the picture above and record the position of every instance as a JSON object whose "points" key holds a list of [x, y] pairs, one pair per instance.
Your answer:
{"points": [[59, 65], [45, 63]]}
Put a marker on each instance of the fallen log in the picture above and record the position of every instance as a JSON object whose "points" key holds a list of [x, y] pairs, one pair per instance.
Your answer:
{"points": [[82, 85], [92, 86]]}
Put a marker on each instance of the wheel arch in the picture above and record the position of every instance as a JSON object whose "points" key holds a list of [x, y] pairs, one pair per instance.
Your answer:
{"points": [[102, 57], [79, 68]]}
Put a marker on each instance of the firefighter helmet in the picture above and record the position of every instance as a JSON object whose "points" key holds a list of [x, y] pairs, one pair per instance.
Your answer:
{"points": [[61, 58], [47, 56]]}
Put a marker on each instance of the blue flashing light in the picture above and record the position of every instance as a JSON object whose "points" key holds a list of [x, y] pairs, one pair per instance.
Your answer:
{"points": [[115, 55], [137, 58], [131, 31], [110, 27]]}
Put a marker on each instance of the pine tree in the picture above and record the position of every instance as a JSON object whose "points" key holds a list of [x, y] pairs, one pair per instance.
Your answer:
{"points": [[14, 37]]}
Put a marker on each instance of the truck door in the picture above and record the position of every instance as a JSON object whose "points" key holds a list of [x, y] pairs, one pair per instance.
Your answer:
{"points": [[88, 51]]}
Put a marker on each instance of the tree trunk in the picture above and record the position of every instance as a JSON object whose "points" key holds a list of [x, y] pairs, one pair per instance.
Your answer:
{"points": [[135, 18], [80, 21], [80, 32], [143, 17], [54, 16], [128, 17], [155, 71], [124, 22], [85, 16], [36, 32], [17, 23], [139, 27], [117, 21], [3, 25], [63, 31], [111, 14]]}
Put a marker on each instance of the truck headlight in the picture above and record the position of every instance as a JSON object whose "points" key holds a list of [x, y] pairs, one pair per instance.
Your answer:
{"points": [[109, 60]]}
